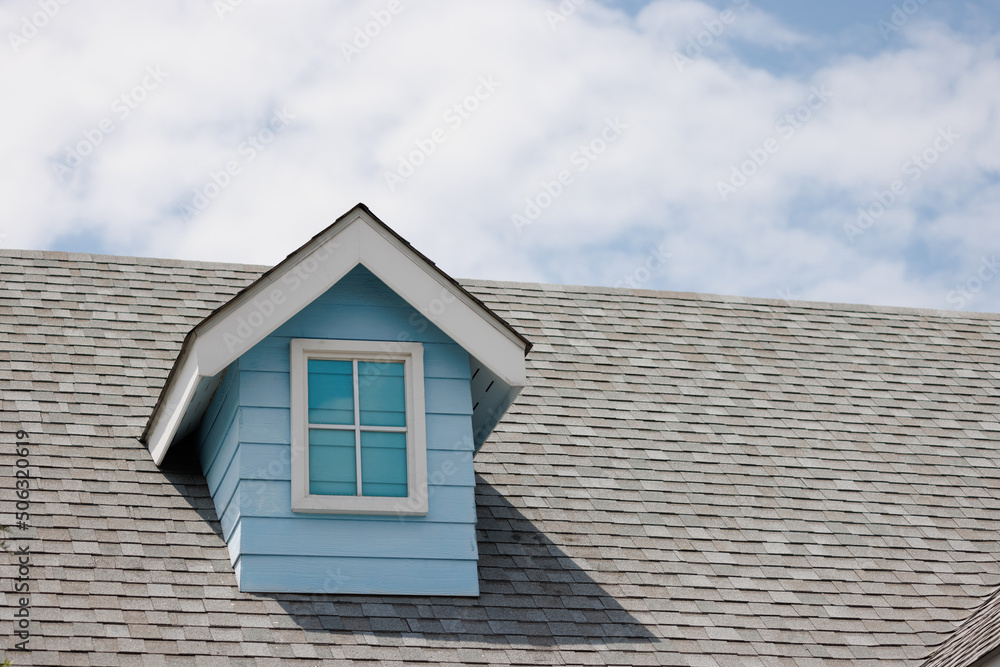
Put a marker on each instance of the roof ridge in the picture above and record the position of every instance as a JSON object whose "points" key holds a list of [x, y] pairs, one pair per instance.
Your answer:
{"points": [[732, 298], [544, 287], [127, 259]]}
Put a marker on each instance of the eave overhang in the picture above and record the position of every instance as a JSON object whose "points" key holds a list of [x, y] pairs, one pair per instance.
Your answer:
{"points": [[357, 237]]}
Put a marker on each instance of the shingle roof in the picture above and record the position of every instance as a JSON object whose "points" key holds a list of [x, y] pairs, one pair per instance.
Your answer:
{"points": [[687, 480], [977, 638]]}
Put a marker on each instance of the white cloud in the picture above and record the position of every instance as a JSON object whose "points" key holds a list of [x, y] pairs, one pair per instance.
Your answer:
{"points": [[656, 184]]}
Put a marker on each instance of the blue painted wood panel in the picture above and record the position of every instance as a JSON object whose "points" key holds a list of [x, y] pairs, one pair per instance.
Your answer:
{"points": [[358, 539], [226, 451], [219, 443], [244, 448], [223, 494], [218, 417], [358, 323], [447, 396], [252, 498], [352, 576], [211, 415], [270, 354], [445, 467], [271, 498], [264, 389], [230, 519], [446, 361], [266, 425], [451, 432], [441, 360]]}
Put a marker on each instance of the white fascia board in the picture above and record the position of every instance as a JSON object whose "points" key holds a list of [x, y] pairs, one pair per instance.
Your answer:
{"points": [[175, 403], [444, 305], [254, 315], [248, 319], [316, 267]]}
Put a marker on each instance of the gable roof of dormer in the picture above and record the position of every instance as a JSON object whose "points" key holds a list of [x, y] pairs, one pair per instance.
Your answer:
{"points": [[357, 237]]}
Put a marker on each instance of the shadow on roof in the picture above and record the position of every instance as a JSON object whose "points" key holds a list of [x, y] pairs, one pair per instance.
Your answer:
{"points": [[181, 468], [531, 593]]}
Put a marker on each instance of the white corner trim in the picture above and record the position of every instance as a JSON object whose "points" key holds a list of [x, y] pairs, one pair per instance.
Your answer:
{"points": [[412, 355]]}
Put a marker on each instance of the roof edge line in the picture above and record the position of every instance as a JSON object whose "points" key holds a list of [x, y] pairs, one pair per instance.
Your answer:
{"points": [[357, 237]]}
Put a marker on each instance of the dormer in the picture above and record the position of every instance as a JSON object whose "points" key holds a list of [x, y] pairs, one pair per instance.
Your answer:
{"points": [[335, 406]]}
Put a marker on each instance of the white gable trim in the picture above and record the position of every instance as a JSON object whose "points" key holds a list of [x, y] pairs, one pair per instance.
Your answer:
{"points": [[444, 305], [174, 403], [255, 314], [358, 238]]}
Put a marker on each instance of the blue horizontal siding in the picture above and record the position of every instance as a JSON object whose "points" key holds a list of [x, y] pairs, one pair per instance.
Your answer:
{"points": [[453, 432], [230, 516], [224, 492], [211, 415], [266, 425], [218, 418], [218, 438], [226, 451], [253, 498], [360, 323], [358, 576], [449, 468], [244, 449], [269, 462], [446, 361], [447, 396], [441, 360], [270, 354], [264, 389], [358, 539], [446, 504], [445, 467]]}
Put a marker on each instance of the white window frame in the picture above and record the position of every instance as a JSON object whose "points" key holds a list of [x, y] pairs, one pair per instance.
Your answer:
{"points": [[412, 356]]}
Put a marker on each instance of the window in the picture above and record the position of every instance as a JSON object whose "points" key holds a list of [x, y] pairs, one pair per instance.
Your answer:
{"points": [[358, 438]]}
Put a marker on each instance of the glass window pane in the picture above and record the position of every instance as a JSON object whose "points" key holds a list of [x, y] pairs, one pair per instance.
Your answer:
{"points": [[382, 394], [383, 464], [331, 392], [332, 464]]}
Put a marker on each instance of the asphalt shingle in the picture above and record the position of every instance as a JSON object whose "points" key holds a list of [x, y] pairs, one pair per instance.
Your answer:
{"points": [[687, 480]]}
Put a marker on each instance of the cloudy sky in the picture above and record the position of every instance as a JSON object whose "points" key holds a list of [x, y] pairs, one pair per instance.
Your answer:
{"points": [[805, 149]]}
